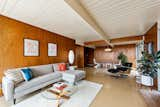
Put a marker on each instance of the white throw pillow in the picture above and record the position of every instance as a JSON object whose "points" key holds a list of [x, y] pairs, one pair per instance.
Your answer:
{"points": [[14, 75]]}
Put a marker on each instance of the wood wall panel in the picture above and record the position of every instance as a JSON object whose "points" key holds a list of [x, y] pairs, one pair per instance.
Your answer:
{"points": [[151, 36], [13, 32], [126, 39], [102, 56], [79, 56], [123, 40], [97, 43]]}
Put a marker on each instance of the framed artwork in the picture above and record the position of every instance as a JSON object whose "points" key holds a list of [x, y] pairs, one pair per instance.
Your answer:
{"points": [[52, 49], [31, 47]]}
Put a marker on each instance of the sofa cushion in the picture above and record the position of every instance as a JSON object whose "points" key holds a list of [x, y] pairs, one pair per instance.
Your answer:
{"points": [[37, 81], [73, 75], [41, 70], [56, 66], [14, 75], [75, 72]]}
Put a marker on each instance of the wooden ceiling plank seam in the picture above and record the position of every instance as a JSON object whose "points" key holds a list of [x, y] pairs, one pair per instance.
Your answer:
{"points": [[134, 11], [136, 5], [148, 10]]}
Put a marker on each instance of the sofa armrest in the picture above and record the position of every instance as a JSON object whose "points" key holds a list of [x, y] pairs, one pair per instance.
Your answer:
{"points": [[8, 88]]}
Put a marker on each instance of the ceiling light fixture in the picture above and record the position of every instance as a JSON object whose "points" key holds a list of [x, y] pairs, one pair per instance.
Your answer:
{"points": [[108, 49]]}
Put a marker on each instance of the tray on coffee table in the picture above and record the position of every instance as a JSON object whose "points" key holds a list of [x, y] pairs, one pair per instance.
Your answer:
{"points": [[54, 92]]}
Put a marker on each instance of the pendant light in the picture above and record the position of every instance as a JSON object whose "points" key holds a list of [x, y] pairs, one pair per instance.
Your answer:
{"points": [[108, 49]]}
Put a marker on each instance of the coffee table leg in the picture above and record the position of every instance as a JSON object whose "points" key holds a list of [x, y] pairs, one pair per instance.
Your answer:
{"points": [[58, 100], [58, 103]]}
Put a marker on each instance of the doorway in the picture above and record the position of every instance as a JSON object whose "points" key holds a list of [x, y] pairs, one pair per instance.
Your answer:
{"points": [[88, 56]]}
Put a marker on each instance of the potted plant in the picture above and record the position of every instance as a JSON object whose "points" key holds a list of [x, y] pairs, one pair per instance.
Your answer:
{"points": [[122, 58], [148, 66]]}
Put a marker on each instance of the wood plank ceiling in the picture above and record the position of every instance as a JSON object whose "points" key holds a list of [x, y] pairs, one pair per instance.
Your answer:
{"points": [[111, 18]]}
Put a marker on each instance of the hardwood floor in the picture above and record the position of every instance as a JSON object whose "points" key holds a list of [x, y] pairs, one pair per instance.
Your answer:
{"points": [[152, 98], [120, 92]]}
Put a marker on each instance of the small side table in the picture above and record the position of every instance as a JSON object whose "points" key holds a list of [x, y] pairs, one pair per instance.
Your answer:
{"points": [[72, 67]]}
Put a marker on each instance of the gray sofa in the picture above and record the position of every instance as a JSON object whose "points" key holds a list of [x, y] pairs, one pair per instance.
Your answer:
{"points": [[43, 75]]}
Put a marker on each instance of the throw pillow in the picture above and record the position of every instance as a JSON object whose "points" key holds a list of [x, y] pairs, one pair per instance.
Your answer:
{"points": [[27, 74], [56, 67], [62, 67], [14, 75]]}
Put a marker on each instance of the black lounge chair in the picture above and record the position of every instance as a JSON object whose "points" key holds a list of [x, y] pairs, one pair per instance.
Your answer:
{"points": [[119, 71]]}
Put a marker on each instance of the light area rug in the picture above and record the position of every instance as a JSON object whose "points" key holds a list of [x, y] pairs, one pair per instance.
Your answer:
{"points": [[83, 97]]}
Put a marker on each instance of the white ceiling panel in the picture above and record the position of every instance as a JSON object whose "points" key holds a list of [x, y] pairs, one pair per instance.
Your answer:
{"points": [[120, 18], [53, 15]]}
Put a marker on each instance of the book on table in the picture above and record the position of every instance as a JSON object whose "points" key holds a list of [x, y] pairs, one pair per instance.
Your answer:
{"points": [[60, 85]]}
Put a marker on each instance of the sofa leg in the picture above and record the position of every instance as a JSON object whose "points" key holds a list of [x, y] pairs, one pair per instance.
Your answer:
{"points": [[14, 101]]}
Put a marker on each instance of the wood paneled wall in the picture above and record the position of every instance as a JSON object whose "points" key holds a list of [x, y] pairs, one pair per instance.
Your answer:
{"points": [[13, 32], [151, 36], [102, 56], [79, 51], [126, 39], [98, 43], [123, 40]]}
